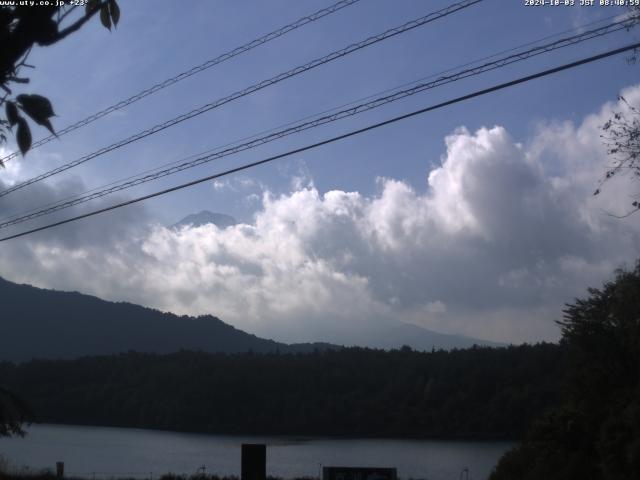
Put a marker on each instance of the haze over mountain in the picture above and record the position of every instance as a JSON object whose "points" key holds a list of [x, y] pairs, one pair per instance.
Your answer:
{"points": [[397, 334], [205, 217], [39, 323]]}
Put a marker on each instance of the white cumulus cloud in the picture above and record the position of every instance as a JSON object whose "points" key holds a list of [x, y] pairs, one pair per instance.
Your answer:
{"points": [[501, 235]]}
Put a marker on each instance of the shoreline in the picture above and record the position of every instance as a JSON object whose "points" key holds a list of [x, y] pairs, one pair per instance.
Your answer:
{"points": [[295, 436]]}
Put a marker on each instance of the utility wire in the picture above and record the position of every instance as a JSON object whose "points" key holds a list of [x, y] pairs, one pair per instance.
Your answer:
{"points": [[332, 109], [352, 133], [363, 107], [630, 18], [632, 21], [114, 186], [253, 88], [192, 71]]}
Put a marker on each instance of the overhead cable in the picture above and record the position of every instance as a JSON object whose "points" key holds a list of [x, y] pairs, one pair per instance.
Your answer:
{"points": [[352, 133], [189, 73], [249, 90], [300, 127]]}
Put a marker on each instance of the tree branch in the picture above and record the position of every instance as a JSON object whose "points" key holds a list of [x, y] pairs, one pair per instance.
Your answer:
{"points": [[628, 214], [62, 17], [76, 25]]}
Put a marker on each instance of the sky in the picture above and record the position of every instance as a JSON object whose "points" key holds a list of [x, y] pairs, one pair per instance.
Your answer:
{"points": [[476, 219]]}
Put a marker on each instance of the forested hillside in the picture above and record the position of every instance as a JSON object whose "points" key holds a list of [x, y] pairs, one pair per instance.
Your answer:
{"points": [[39, 323], [473, 393], [594, 432]]}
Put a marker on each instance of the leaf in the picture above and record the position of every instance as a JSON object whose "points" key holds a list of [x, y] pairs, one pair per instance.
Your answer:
{"points": [[91, 6], [38, 108], [114, 9], [47, 124], [12, 113], [23, 136], [104, 16]]}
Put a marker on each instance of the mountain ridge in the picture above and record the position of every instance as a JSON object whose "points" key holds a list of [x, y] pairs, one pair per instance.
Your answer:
{"points": [[39, 323], [53, 324]]}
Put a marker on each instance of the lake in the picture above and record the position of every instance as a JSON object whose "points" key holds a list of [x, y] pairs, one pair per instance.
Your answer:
{"points": [[103, 452]]}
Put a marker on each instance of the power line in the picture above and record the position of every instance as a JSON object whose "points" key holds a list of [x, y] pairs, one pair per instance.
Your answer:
{"points": [[631, 19], [192, 71], [581, 27], [255, 142], [352, 133], [105, 190], [253, 88]]}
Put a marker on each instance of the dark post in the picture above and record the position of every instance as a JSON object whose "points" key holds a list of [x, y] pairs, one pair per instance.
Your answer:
{"points": [[60, 469], [254, 461]]}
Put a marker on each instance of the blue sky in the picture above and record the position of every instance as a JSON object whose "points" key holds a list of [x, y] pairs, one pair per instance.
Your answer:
{"points": [[93, 68], [157, 39]]}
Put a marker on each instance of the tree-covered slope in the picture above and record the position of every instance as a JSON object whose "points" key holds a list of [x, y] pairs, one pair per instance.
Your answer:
{"points": [[473, 393], [38, 323], [595, 431]]}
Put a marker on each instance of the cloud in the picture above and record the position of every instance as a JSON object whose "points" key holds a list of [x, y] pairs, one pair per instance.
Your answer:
{"points": [[235, 184], [500, 237], [70, 257], [220, 185]]}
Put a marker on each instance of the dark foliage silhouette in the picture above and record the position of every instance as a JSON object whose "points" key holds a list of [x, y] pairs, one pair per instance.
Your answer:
{"points": [[621, 136], [595, 432], [473, 393], [21, 28], [13, 413]]}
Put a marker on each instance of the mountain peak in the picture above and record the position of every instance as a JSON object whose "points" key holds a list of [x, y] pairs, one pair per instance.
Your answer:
{"points": [[205, 217]]}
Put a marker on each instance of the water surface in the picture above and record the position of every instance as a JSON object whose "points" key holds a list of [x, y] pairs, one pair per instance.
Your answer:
{"points": [[112, 452]]}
